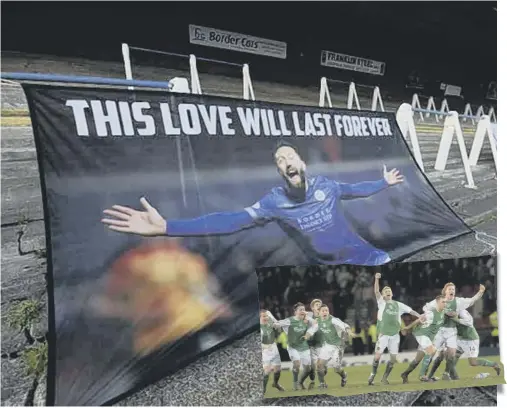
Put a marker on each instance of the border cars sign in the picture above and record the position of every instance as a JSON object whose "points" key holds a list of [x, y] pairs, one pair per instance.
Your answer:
{"points": [[227, 40]]}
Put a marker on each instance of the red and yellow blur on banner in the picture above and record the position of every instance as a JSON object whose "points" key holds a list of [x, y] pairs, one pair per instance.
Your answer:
{"points": [[164, 290]]}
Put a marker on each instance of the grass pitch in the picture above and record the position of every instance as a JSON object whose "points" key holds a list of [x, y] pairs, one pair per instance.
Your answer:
{"points": [[358, 380]]}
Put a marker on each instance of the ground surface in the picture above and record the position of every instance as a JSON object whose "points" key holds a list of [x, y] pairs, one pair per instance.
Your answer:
{"points": [[358, 376], [231, 375]]}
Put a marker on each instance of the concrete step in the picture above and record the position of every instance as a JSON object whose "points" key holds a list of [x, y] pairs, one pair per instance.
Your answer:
{"points": [[461, 197], [471, 208], [457, 178]]}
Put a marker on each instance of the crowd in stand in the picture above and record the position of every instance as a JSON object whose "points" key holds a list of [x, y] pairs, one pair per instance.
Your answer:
{"points": [[348, 290]]}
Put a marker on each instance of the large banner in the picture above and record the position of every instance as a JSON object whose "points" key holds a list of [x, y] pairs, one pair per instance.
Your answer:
{"points": [[160, 206], [351, 63], [227, 40]]}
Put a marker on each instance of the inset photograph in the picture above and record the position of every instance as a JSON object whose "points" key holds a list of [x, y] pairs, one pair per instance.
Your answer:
{"points": [[346, 330]]}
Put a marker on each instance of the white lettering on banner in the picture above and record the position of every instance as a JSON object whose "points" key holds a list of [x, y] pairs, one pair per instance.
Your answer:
{"points": [[249, 119], [126, 119], [141, 118], [211, 37], [343, 61], [189, 118], [148, 121], [78, 110], [167, 121]]}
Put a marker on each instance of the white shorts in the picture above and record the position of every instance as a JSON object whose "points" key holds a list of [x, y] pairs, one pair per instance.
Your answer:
{"points": [[392, 343], [303, 356], [424, 342], [270, 355], [314, 354], [332, 355], [470, 348], [447, 337]]}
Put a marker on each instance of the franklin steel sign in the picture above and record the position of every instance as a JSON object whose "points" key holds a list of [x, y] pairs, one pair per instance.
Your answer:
{"points": [[343, 61]]}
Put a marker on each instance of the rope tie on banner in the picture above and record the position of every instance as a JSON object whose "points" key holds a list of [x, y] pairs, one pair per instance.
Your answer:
{"points": [[490, 248]]}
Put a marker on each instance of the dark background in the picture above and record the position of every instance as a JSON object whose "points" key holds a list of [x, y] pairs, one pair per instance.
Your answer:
{"points": [[452, 42]]}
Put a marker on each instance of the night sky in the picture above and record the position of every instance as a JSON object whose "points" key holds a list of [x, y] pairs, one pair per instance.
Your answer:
{"points": [[448, 41]]}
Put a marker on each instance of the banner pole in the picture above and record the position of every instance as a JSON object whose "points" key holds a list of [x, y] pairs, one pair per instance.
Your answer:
{"points": [[76, 79]]}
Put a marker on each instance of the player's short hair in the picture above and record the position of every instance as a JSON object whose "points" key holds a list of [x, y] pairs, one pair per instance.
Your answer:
{"points": [[323, 305], [439, 297], [384, 288], [446, 286], [315, 301], [263, 311], [298, 304], [284, 143]]}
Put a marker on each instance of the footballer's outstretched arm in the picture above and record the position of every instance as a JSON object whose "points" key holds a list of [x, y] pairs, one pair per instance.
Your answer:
{"points": [[313, 327], [368, 188], [150, 223], [338, 323], [270, 315], [428, 316], [465, 303], [404, 309], [211, 224], [414, 313], [376, 286], [282, 324]]}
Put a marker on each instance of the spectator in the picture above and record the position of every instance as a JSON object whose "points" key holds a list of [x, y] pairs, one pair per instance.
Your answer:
{"points": [[493, 319], [489, 297], [403, 297], [330, 278], [288, 293], [343, 277], [358, 342]]}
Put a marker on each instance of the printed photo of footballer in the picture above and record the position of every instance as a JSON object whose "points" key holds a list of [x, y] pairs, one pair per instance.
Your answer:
{"points": [[345, 330], [309, 207]]}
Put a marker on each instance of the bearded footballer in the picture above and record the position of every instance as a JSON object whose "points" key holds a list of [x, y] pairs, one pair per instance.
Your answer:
{"points": [[308, 208]]}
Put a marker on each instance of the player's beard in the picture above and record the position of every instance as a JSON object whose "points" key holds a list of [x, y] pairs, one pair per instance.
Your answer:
{"points": [[297, 190]]}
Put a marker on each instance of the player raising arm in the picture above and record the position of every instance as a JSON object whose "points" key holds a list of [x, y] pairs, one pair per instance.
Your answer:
{"points": [[424, 334], [388, 326], [298, 332], [447, 335]]}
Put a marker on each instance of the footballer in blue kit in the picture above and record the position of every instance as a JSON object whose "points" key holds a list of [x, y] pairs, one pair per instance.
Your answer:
{"points": [[307, 208]]}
